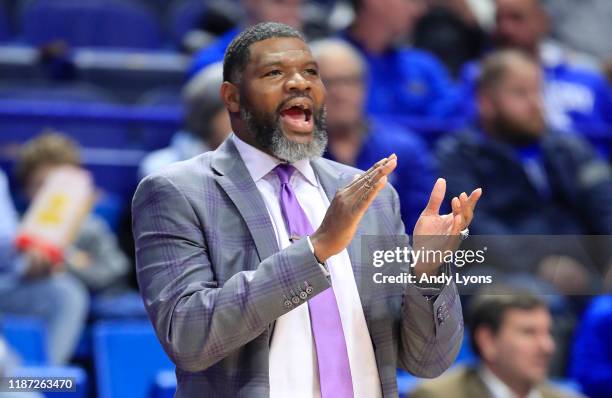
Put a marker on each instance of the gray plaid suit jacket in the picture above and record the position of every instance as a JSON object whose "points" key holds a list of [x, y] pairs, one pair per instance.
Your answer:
{"points": [[214, 281]]}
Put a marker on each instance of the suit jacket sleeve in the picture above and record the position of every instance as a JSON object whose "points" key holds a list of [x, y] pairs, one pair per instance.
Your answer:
{"points": [[197, 320], [431, 324]]}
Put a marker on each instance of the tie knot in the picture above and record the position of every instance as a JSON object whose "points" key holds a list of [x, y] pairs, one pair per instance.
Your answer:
{"points": [[284, 172]]}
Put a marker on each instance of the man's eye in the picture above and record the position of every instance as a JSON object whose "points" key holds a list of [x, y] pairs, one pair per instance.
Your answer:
{"points": [[312, 71], [274, 72]]}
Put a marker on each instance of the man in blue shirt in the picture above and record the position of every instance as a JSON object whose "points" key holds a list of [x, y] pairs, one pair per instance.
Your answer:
{"points": [[30, 287], [358, 140], [577, 97], [402, 81]]}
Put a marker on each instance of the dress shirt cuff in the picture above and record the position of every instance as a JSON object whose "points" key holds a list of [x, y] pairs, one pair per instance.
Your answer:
{"points": [[322, 265], [431, 291]]}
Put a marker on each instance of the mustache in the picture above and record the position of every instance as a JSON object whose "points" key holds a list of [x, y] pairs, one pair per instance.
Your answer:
{"points": [[294, 95]]}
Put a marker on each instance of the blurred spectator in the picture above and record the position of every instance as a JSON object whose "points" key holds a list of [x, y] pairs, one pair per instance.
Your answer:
{"points": [[450, 31], [206, 122], [56, 61], [402, 81], [584, 25], [511, 335], [358, 140], [577, 97], [256, 11], [538, 182], [94, 257], [592, 355], [29, 287]]}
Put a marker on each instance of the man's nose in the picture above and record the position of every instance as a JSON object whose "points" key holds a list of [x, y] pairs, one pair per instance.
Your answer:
{"points": [[297, 82]]}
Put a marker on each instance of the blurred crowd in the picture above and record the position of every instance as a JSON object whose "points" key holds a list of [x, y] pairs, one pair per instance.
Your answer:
{"points": [[514, 96]]}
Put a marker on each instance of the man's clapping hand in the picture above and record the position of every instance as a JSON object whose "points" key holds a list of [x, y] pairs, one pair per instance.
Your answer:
{"points": [[350, 204], [435, 232], [348, 207]]}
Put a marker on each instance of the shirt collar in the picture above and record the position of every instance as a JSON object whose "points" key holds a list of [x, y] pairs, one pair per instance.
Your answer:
{"points": [[259, 163], [498, 388]]}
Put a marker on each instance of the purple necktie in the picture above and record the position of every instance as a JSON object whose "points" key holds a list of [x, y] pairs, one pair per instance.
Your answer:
{"points": [[332, 356]]}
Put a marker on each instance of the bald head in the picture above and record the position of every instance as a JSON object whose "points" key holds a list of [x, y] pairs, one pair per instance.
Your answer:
{"points": [[333, 51], [343, 71], [520, 24], [497, 66], [205, 115]]}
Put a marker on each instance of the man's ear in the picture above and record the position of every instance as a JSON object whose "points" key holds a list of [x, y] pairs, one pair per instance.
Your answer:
{"points": [[230, 96], [485, 340]]}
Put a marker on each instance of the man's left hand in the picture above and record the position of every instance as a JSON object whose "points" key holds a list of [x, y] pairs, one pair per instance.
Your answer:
{"points": [[441, 232]]}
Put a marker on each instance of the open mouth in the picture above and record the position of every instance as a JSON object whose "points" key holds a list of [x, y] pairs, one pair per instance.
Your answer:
{"points": [[297, 116]]}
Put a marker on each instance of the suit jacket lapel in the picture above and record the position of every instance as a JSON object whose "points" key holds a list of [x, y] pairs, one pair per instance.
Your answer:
{"points": [[236, 181]]}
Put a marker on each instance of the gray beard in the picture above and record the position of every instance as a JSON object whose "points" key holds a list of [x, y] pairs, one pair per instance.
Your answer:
{"points": [[270, 136]]}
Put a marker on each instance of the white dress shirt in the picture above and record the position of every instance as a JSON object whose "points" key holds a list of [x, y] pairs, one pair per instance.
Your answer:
{"points": [[293, 361]]}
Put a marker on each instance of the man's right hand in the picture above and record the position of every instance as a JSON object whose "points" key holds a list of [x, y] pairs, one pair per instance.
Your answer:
{"points": [[348, 207]]}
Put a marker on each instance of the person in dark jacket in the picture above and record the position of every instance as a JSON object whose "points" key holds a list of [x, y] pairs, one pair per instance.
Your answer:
{"points": [[540, 182]]}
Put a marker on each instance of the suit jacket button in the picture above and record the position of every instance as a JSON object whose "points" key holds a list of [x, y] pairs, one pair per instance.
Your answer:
{"points": [[303, 295], [288, 303], [309, 290], [295, 299], [441, 314]]}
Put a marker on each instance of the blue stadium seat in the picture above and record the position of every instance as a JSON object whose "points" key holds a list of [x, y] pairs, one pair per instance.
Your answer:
{"points": [[165, 384], [27, 109], [162, 96], [122, 306], [79, 375], [21, 120], [406, 382], [97, 125], [169, 97], [91, 23], [72, 92], [27, 336], [4, 24], [127, 358], [466, 354]]}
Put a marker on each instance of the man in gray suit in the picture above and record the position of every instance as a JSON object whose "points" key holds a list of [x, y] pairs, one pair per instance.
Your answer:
{"points": [[249, 257]]}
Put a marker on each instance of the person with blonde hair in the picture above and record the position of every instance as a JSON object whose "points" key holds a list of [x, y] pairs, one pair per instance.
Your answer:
{"points": [[29, 286], [94, 257]]}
